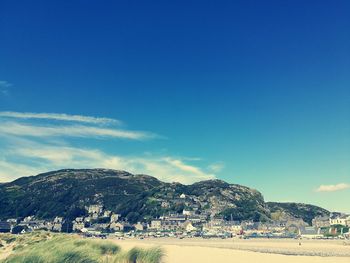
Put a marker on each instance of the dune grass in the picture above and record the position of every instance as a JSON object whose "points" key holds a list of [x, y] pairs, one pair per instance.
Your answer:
{"points": [[61, 248], [144, 255]]}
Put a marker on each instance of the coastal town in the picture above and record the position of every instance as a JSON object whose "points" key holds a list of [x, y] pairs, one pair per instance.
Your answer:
{"points": [[100, 222]]}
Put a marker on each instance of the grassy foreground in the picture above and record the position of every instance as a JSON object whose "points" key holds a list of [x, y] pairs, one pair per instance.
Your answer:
{"points": [[45, 247]]}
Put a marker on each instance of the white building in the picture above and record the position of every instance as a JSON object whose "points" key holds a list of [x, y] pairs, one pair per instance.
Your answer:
{"points": [[139, 227], [107, 213], [188, 227], [28, 219], [340, 220], [58, 220], [78, 226], [95, 209], [187, 212], [165, 204], [115, 217], [156, 224]]}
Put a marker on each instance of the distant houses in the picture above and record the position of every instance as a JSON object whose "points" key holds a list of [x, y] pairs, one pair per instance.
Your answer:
{"points": [[100, 221], [167, 224], [57, 224], [78, 224]]}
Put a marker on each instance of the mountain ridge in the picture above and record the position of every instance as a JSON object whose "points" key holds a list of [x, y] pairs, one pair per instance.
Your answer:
{"points": [[67, 192]]}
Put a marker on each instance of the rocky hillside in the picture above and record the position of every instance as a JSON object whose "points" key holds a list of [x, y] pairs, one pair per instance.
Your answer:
{"points": [[285, 210], [137, 197]]}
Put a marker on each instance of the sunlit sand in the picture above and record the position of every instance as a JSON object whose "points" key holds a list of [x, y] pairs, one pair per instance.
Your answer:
{"points": [[235, 250]]}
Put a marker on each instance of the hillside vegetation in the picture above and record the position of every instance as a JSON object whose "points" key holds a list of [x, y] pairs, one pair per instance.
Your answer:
{"points": [[67, 192]]}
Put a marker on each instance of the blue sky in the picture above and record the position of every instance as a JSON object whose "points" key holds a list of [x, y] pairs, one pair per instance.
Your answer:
{"points": [[252, 92]]}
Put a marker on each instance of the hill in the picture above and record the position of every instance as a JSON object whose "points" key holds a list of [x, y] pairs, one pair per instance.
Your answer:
{"points": [[305, 211], [137, 197]]}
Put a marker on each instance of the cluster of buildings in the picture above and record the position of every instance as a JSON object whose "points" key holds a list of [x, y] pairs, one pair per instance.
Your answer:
{"points": [[332, 225], [30, 223], [100, 221]]}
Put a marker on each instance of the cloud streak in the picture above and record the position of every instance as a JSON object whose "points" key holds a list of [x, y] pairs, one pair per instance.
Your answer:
{"points": [[179, 164], [333, 187], [12, 170], [58, 116], [32, 143], [52, 157], [30, 130]]}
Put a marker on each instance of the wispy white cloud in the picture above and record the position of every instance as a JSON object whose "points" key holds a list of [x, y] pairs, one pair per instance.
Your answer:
{"points": [[31, 130], [50, 157], [13, 170], [58, 116], [4, 86], [39, 142], [333, 187], [179, 164]]}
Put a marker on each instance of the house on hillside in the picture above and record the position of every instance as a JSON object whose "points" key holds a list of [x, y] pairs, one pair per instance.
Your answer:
{"points": [[28, 219], [188, 227], [187, 212], [115, 217], [156, 224], [78, 224], [117, 226], [95, 209], [169, 226], [12, 221], [175, 217], [165, 204], [139, 226], [57, 224], [107, 213], [37, 224], [195, 219]]}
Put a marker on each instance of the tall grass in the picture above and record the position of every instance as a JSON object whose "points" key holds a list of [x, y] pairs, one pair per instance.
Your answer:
{"points": [[151, 255], [61, 248], [106, 248]]}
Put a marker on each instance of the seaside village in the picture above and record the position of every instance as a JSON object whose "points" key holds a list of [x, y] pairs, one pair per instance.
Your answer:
{"points": [[102, 223]]}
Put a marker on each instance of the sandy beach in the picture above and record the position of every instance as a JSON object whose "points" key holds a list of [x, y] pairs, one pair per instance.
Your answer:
{"points": [[235, 250]]}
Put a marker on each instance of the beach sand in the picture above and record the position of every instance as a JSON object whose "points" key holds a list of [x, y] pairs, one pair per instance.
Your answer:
{"points": [[235, 250]]}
